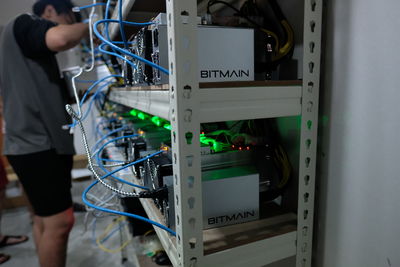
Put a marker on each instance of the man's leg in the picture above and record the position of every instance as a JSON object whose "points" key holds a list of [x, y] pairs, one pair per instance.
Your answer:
{"points": [[49, 192], [37, 230], [52, 245]]}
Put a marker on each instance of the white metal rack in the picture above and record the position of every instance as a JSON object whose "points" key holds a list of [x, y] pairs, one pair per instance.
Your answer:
{"points": [[187, 104]]}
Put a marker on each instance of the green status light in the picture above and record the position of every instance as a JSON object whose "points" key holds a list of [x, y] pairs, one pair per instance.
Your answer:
{"points": [[157, 121], [133, 112], [141, 116]]}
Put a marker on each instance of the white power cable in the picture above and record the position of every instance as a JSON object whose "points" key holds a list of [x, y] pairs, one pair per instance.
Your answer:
{"points": [[91, 37], [76, 91], [92, 60]]}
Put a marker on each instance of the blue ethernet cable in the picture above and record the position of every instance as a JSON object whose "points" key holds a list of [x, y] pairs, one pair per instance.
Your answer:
{"points": [[86, 201], [130, 164], [102, 122], [120, 43], [107, 135], [106, 171], [90, 89], [121, 25], [93, 98], [123, 50], [106, 25], [80, 8], [101, 49], [95, 84], [129, 23], [112, 160]]}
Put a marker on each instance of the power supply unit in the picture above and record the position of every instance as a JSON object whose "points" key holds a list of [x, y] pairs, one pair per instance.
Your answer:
{"points": [[224, 201], [224, 53]]}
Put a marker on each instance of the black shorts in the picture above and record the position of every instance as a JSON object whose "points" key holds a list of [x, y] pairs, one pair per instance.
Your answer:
{"points": [[46, 178]]}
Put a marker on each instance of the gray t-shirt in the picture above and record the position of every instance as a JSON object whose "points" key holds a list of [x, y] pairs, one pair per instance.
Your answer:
{"points": [[34, 95]]}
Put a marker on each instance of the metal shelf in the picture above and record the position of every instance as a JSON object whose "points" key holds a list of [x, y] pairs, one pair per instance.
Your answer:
{"points": [[187, 108], [223, 103]]}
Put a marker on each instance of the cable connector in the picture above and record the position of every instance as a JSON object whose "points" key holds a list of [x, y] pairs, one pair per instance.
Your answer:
{"points": [[161, 192]]}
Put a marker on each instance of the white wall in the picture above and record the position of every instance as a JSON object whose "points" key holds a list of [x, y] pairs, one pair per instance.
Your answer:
{"points": [[359, 216], [11, 8]]}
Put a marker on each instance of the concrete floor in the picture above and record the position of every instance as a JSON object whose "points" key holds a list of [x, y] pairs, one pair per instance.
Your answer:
{"points": [[81, 250]]}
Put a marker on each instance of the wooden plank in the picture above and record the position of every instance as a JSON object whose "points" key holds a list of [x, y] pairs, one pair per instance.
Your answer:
{"points": [[12, 177], [15, 202], [80, 162]]}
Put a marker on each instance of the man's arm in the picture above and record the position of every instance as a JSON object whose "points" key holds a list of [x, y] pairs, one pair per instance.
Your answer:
{"points": [[64, 37]]}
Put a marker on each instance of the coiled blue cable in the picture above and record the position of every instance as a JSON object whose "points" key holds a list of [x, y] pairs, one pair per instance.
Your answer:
{"points": [[101, 48], [95, 84], [88, 91], [86, 201], [107, 135], [99, 162], [131, 164], [112, 160], [106, 25], [93, 98], [95, 26], [121, 25]]}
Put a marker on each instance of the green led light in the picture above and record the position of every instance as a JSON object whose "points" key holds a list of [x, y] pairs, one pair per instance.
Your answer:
{"points": [[133, 112], [142, 116], [167, 126], [157, 121]]}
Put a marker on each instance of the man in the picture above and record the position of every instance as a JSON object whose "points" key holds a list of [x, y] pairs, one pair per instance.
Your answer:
{"points": [[34, 97]]}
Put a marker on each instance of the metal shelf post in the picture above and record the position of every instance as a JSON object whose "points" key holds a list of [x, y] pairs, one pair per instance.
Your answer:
{"points": [[184, 90], [309, 126]]}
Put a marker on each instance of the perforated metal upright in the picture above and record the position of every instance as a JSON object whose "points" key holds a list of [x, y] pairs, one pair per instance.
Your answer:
{"points": [[309, 127], [184, 101]]}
